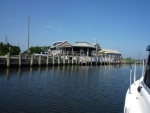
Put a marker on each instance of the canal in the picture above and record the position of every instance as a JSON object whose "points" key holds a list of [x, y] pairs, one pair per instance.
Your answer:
{"points": [[64, 89]]}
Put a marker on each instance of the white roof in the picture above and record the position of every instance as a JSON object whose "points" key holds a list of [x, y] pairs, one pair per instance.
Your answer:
{"points": [[111, 51], [58, 44], [83, 44]]}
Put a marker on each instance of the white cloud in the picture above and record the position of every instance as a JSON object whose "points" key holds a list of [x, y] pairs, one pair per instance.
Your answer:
{"points": [[53, 25]]}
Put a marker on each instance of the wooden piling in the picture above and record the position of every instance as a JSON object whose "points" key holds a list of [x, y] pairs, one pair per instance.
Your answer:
{"points": [[20, 59], [101, 58], [31, 60], [91, 60], [76, 59], [53, 60], [58, 60], [8, 59], [63, 59], [72, 60], [67, 57], [39, 61], [47, 60], [68, 60]]}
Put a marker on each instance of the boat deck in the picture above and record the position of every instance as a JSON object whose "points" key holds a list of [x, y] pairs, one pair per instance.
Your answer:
{"points": [[135, 102]]}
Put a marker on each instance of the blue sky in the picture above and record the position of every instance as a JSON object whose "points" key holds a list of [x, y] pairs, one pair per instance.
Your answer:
{"points": [[116, 24]]}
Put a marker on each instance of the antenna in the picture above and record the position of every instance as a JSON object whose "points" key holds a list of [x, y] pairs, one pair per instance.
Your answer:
{"points": [[6, 40], [139, 57]]}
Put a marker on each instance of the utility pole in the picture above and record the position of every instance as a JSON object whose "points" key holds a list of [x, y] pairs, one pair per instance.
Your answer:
{"points": [[139, 58], [96, 51], [28, 33]]}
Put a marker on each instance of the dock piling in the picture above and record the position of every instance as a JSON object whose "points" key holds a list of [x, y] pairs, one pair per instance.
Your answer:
{"points": [[31, 60], [40, 60], [8, 59], [20, 59]]}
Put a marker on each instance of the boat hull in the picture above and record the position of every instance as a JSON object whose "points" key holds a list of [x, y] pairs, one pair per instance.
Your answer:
{"points": [[137, 98]]}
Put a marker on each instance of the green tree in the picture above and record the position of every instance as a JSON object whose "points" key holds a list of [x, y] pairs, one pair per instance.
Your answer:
{"points": [[45, 48], [37, 49], [14, 50], [5, 48]]}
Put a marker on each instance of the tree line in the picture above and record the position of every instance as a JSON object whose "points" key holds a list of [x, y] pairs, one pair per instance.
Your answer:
{"points": [[5, 48], [15, 50], [37, 49]]}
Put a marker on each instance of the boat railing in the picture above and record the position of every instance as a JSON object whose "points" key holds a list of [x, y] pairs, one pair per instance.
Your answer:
{"points": [[134, 75]]}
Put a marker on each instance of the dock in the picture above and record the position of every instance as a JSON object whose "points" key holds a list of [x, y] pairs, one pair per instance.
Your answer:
{"points": [[19, 60]]}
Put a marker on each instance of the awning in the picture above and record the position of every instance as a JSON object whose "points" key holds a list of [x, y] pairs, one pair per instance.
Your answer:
{"points": [[105, 52], [101, 51]]}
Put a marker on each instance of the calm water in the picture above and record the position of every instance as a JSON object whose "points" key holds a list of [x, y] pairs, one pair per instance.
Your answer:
{"points": [[64, 89]]}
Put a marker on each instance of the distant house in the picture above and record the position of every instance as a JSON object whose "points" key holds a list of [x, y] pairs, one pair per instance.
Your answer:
{"points": [[79, 48], [112, 55], [59, 47]]}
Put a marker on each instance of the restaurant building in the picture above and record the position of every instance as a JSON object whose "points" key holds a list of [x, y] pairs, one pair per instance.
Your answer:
{"points": [[85, 51]]}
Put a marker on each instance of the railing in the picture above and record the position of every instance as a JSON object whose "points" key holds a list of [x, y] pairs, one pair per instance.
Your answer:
{"points": [[134, 76]]}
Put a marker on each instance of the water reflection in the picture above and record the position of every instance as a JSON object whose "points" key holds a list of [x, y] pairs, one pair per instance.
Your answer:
{"points": [[85, 89], [55, 70], [7, 73]]}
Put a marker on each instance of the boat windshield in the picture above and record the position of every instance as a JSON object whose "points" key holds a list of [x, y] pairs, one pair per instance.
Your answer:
{"points": [[147, 74]]}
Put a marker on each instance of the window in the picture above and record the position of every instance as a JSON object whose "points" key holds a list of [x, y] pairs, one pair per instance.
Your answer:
{"points": [[147, 74]]}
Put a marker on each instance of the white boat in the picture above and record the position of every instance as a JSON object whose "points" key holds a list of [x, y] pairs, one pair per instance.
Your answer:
{"points": [[137, 98]]}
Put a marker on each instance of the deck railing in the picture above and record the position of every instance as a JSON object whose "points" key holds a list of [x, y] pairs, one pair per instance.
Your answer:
{"points": [[134, 75]]}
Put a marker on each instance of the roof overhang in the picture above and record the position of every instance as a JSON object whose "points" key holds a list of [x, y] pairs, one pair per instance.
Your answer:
{"points": [[84, 45]]}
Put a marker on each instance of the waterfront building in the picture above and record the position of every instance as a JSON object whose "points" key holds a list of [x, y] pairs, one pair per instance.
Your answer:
{"points": [[85, 51], [79, 48], [111, 55]]}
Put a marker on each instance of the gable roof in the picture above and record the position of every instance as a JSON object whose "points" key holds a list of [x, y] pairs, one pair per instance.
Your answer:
{"points": [[83, 44], [61, 44]]}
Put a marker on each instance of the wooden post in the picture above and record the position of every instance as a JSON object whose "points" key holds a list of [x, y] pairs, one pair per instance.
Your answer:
{"points": [[72, 59], [47, 60], [19, 59], [101, 58], [58, 60], [40, 57], [63, 57], [109, 59], [76, 60], [67, 57], [104, 59], [31, 60], [8, 59], [91, 60], [53, 60]]}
